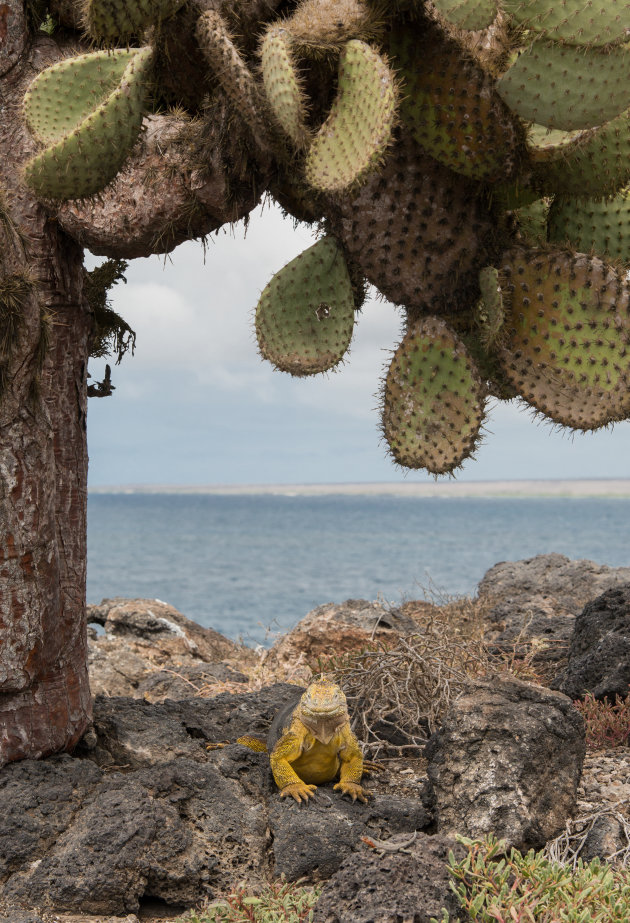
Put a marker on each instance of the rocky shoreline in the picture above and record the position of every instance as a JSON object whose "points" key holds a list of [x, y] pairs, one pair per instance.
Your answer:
{"points": [[143, 822]]}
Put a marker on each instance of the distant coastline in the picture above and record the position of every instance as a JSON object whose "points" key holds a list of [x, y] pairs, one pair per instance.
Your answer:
{"points": [[613, 487]]}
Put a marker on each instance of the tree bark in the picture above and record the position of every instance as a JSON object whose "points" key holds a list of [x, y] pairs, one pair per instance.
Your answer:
{"points": [[45, 703]]}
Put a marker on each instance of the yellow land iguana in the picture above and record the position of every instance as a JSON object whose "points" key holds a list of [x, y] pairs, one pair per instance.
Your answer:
{"points": [[310, 742]]}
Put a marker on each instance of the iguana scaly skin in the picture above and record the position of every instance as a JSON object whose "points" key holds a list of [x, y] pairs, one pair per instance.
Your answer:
{"points": [[317, 745], [311, 742]]}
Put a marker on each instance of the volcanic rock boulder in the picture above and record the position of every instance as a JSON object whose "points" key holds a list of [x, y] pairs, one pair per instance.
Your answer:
{"points": [[319, 839], [565, 585], [150, 650], [599, 655], [144, 811], [533, 603], [338, 628], [507, 760], [407, 880]]}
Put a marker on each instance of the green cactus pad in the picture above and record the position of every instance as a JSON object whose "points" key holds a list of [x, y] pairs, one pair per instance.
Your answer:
{"points": [[283, 86], [112, 20], [451, 106], [305, 316], [548, 144], [232, 72], [433, 399], [568, 333], [564, 87], [581, 23], [89, 111], [355, 135], [599, 226], [467, 14], [591, 163], [418, 231]]}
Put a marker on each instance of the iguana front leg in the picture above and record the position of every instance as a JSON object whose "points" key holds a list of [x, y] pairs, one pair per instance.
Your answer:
{"points": [[351, 767], [288, 749]]}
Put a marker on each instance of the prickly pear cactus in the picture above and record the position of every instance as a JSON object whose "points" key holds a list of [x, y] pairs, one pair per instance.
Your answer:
{"points": [[108, 20], [599, 226], [567, 335], [89, 111], [283, 86], [433, 399], [354, 136], [305, 316], [594, 85], [468, 158]]}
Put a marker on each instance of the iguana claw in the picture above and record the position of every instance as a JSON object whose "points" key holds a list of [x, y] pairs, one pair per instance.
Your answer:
{"points": [[356, 791], [299, 791]]}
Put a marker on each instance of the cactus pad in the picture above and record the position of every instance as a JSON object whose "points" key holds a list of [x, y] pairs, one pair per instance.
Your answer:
{"points": [[353, 138], [111, 20], [599, 226], [282, 85], [232, 72], [575, 23], [564, 87], [451, 106], [568, 333], [467, 14], [89, 111], [549, 144], [305, 316], [433, 399], [418, 231], [590, 163]]}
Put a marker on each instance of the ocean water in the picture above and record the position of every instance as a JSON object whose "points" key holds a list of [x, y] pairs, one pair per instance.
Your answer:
{"points": [[253, 566]]}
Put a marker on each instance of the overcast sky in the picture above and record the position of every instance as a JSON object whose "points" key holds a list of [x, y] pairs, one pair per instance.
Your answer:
{"points": [[197, 405]]}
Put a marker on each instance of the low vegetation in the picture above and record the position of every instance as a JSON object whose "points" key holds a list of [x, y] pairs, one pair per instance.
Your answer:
{"points": [[278, 902], [497, 885], [607, 724]]}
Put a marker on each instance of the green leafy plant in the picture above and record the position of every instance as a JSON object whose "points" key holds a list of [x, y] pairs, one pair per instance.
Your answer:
{"points": [[497, 885], [607, 724], [278, 902]]}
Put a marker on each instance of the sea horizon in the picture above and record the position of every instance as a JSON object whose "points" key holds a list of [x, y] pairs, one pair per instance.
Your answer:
{"points": [[247, 560], [519, 487]]}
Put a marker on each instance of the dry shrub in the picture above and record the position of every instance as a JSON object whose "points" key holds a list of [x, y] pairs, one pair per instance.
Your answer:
{"points": [[607, 725], [405, 687], [566, 848], [401, 690], [258, 676]]}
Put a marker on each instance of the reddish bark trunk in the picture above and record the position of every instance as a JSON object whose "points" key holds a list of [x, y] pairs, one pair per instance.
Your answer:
{"points": [[44, 694]]}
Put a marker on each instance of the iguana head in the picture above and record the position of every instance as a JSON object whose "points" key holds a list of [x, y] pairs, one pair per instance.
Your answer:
{"points": [[323, 699], [323, 709]]}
